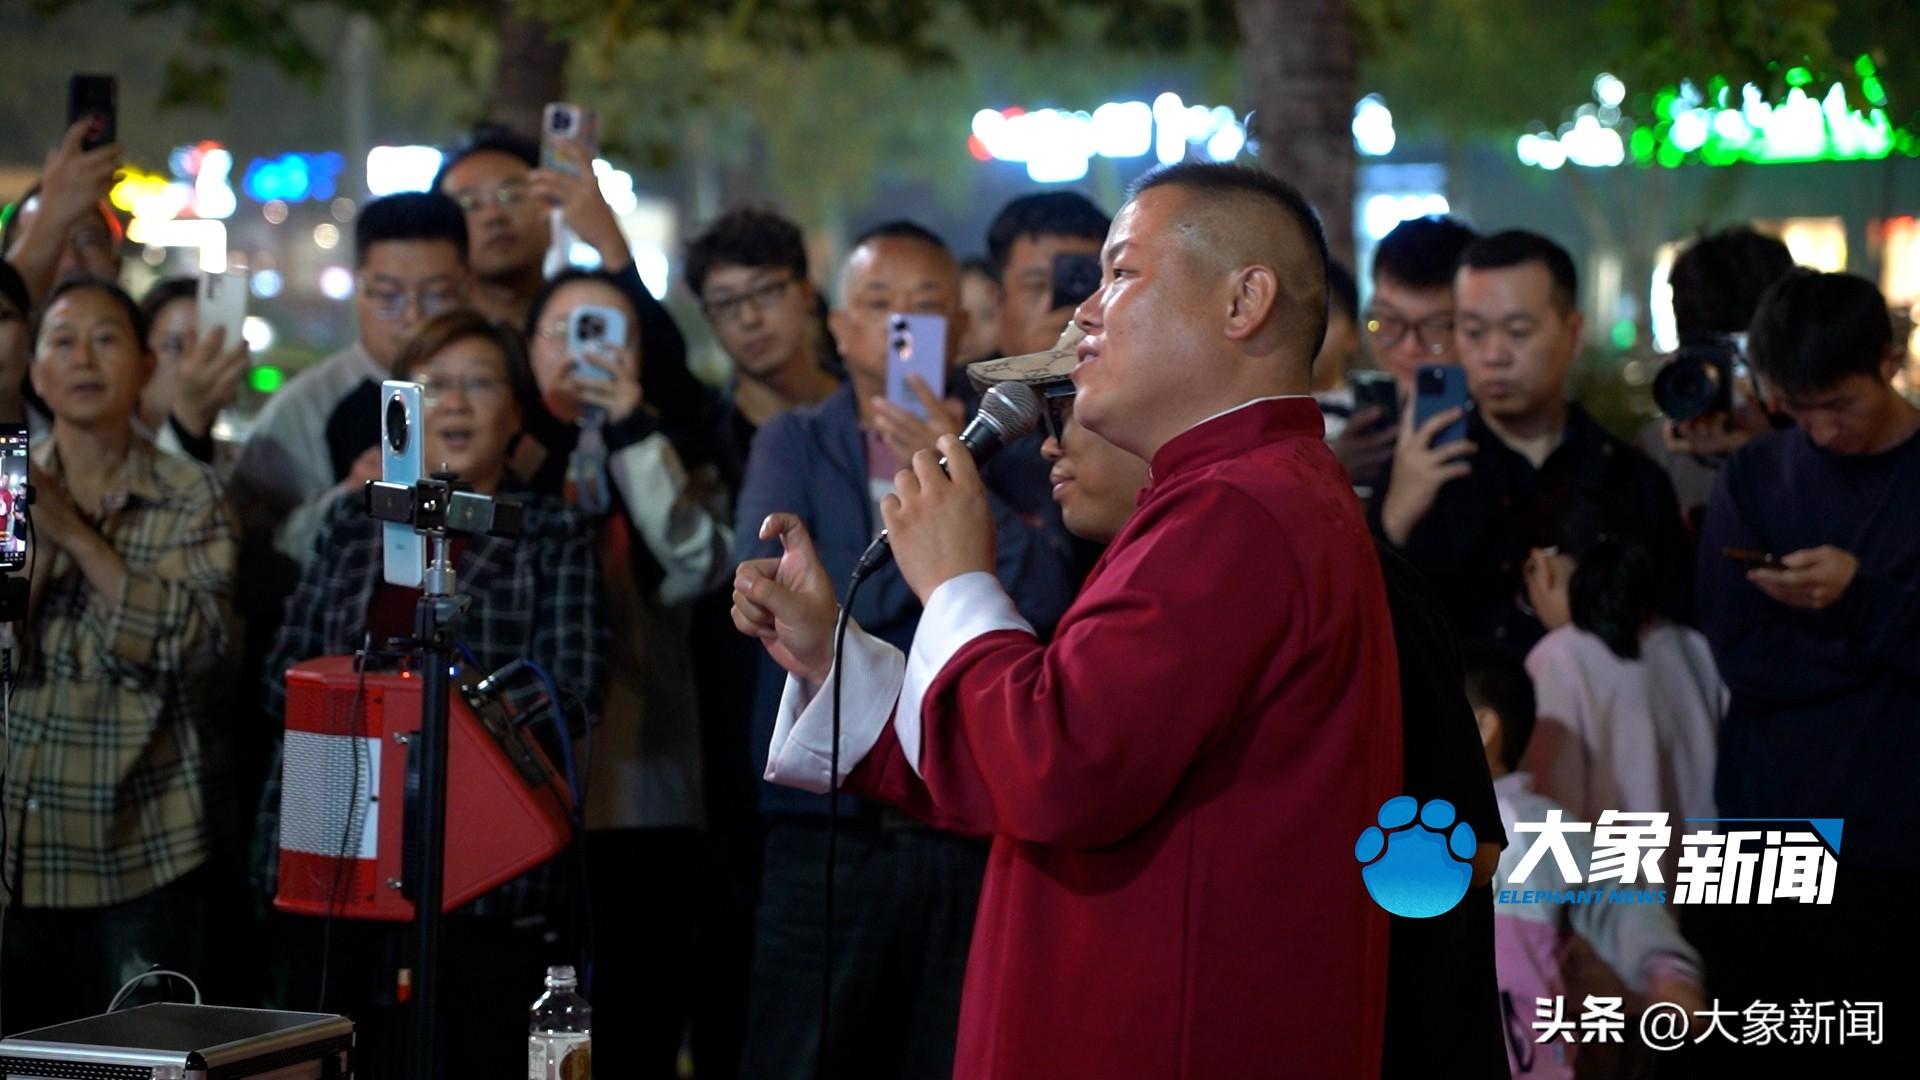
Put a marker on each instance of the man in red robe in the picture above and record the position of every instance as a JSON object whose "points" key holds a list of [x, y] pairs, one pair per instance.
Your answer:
{"points": [[1173, 784]]}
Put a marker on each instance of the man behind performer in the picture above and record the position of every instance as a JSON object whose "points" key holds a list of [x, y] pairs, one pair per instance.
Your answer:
{"points": [[1174, 782]]}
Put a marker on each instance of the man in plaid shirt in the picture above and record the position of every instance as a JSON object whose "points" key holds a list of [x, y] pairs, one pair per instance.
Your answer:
{"points": [[111, 757]]}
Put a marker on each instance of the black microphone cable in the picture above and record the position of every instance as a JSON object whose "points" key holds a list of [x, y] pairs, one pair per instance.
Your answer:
{"points": [[833, 826], [1008, 412]]}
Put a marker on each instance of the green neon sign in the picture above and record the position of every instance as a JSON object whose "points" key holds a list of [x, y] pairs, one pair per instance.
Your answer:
{"points": [[1727, 125]]}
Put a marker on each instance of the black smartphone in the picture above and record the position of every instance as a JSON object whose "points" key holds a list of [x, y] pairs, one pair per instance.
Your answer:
{"points": [[1751, 558], [1377, 390], [13, 497], [1076, 275], [96, 99]]}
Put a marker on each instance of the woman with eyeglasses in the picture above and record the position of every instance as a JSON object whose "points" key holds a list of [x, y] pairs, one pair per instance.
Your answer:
{"points": [[534, 596], [192, 380], [609, 432]]}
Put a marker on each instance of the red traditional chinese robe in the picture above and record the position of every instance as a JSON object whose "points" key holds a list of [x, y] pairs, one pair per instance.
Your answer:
{"points": [[1174, 785]]}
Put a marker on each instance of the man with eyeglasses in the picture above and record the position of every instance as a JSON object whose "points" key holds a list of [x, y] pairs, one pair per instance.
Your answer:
{"points": [[317, 436], [749, 269], [1462, 511], [1409, 318], [496, 179]]}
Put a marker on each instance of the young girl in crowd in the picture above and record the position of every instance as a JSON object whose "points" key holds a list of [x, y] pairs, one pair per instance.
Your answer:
{"points": [[535, 596], [1630, 704], [1546, 950]]}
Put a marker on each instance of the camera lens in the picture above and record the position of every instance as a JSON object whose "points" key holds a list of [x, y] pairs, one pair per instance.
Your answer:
{"points": [[397, 424], [592, 328], [1690, 386], [563, 120], [899, 322], [899, 344]]}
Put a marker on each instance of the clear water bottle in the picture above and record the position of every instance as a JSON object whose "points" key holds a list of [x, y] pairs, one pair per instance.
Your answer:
{"points": [[560, 1039]]}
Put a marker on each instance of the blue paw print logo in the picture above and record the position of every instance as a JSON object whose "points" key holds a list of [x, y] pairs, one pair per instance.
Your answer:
{"points": [[1421, 869]]}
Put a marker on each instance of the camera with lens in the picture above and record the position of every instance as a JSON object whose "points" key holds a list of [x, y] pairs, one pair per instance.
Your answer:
{"points": [[900, 341], [1698, 381]]}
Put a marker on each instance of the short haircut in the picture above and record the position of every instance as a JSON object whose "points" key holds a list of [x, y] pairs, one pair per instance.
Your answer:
{"points": [[1423, 252], [1218, 179], [1518, 247], [896, 229], [978, 264], [411, 215], [1497, 680], [164, 292], [746, 236], [1047, 213], [900, 229], [495, 138], [1343, 293], [1719, 279], [80, 282], [448, 328], [1813, 330]]}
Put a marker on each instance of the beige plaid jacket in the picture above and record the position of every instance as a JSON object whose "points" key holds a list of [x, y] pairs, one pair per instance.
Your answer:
{"points": [[110, 752]]}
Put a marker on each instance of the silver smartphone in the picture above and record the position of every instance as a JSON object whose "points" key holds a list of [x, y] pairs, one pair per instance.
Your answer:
{"points": [[404, 551]]}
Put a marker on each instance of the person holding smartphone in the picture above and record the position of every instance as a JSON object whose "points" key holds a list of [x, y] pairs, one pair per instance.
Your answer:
{"points": [[193, 380], [1458, 507], [116, 757], [63, 226], [911, 890], [1822, 652], [496, 177]]}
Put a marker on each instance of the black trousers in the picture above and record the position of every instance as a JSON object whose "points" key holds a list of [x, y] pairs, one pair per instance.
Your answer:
{"points": [[904, 902], [61, 964]]}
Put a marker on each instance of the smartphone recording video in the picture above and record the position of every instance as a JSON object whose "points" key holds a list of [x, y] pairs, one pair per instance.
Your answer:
{"points": [[592, 327], [569, 138], [916, 345], [403, 551], [95, 99], [13, 496]]}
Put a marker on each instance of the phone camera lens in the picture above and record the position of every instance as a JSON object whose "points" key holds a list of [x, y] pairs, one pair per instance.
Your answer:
{"points": [[899, 322], [397, 424], [563, 121], [592, 328]]}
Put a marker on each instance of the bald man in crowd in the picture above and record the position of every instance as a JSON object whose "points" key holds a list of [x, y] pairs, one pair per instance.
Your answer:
{"points": [[1173, 783]]}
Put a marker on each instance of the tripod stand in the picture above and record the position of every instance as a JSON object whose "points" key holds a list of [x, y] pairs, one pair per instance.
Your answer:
{"points": [[437, 510]]}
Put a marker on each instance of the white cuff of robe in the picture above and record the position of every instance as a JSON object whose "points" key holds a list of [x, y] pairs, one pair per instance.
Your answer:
{"points": [[961, 609], [800, 754]]}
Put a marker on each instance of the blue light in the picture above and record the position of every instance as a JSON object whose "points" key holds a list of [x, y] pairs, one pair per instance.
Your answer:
{"points": [[292, 177]]}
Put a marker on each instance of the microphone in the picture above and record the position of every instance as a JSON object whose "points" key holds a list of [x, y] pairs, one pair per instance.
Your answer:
{"points": [[1008, 412]]}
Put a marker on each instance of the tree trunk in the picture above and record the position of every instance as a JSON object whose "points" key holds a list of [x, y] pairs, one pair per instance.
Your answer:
{"points": [[1300, 64], [532, 72]]}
